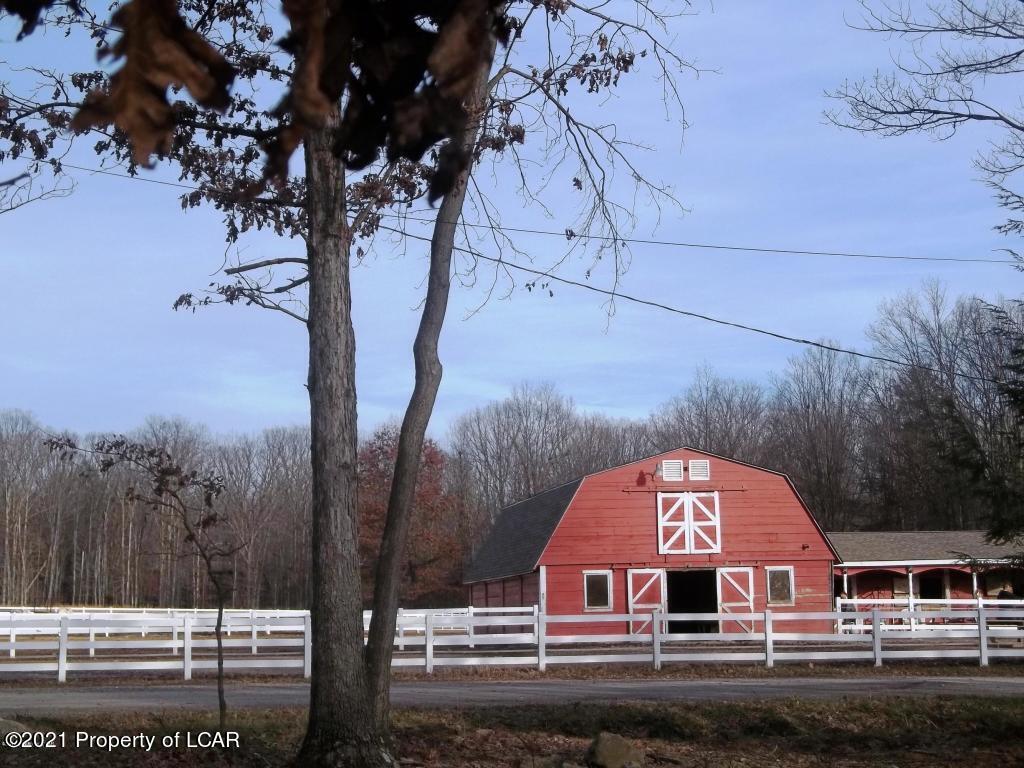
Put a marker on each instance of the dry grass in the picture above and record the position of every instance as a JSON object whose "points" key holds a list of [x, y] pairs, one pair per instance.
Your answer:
{"points": [[906, 733]]}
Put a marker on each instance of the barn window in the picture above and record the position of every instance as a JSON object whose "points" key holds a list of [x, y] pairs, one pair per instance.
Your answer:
{"points": [[672, 470], [597, 590], [780, 585], [689, 524], [700, 469]]}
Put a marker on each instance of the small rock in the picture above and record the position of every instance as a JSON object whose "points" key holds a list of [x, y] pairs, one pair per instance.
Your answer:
{"points": [[609, 750], [9, 726]]}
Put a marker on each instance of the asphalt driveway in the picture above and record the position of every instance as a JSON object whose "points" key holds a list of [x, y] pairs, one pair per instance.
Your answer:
{"points": [[42, 701]]}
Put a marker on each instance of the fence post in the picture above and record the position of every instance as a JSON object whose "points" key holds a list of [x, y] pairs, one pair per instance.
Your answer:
{"points": [[542, 642], [62, 649], [174, 634], [186, 655], [307, 645], [92, 637], [428, 642], [470, 627], [253, 630], [656, 637], [982, 637], [769, 643], [14, 635], [876, 637]]}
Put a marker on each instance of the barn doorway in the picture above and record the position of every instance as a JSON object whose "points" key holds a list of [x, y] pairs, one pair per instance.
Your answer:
{"points": [[931, 586], [692, 591]]}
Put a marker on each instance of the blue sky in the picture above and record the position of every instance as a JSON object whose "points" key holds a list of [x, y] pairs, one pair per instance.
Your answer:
{"points": [[91, 342]]}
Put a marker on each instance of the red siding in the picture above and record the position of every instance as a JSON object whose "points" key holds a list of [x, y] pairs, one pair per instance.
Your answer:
{"points": [[612, 523], [515, 591]]}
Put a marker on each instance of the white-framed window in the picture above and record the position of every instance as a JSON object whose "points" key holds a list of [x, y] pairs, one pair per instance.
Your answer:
{"points": [[781, 589], [689, 523], [597, 590], [672, 470], [700, 469]]}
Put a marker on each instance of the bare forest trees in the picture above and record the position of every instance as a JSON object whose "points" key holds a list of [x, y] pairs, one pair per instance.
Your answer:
{"points": [[960, 66], [719, 415]]}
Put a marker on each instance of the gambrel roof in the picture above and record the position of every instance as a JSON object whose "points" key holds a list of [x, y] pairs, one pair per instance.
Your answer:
{"points": [[916, 546], [520, 534]]}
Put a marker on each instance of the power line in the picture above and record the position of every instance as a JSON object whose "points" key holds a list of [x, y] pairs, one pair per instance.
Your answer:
{"points": [[635, 299], [608, 238], [614, 295], [712, 246]]}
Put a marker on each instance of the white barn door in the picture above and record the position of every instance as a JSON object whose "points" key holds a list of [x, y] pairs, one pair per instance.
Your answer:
{"points": [[646, 588], [736, 595]]}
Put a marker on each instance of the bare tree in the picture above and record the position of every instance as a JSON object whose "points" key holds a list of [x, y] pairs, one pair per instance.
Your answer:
{"points": [[960, 53], [435, 84], [714, 414], [816, 414], [187, 497]]}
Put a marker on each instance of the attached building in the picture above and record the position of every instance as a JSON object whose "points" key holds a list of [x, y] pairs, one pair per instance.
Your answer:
{"points": [[926, 565], [680, 532]]}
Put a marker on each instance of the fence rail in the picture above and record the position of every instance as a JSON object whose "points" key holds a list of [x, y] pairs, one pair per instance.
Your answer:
{"points": [[184, 641]]}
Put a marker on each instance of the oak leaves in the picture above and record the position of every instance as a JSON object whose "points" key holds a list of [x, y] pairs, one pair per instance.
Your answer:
{"points": [[391, 76]]}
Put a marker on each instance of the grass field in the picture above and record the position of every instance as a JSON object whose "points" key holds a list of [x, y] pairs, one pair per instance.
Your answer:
{"points": [[962, 732]]}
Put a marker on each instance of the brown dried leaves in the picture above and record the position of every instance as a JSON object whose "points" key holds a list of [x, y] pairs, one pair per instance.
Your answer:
{"points": [[159, 51], [30, 10], [401, 73], [407, 69]]}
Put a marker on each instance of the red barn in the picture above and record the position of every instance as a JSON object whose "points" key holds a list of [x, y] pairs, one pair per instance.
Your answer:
{"points": [[683, 532]]}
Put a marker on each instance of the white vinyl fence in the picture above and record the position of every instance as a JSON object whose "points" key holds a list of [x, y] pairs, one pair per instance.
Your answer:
{"points": [[917, 614], [182, 641]]}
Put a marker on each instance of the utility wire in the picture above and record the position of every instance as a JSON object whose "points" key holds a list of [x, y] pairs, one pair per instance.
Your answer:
{"points": [[710, 246], [615, 295], [605, 238], [635, 299]]}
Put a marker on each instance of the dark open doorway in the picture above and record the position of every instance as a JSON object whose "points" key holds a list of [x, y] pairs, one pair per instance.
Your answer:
{"points": [[931, 587], [693, 591]]}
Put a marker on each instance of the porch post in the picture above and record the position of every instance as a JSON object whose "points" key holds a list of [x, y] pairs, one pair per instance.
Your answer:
{"points": [[846, 583], [974, 584], [910, 597]]}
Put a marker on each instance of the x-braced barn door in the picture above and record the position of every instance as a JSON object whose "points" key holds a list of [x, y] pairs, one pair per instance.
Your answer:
{"points": [[646, 588], [736, 595]]}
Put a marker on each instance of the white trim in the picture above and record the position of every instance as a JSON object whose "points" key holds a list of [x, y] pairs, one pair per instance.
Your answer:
{"points": [[611, 598], [768, 585], [678, 519], [904, 563], [542, 589], [748, 593], [648, 607]]}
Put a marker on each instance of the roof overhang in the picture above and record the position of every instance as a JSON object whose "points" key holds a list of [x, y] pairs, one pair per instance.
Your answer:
{"points": [[924, 563]]}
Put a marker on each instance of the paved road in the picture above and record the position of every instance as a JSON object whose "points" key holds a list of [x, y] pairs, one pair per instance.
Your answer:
{"points": [[79, 698]]}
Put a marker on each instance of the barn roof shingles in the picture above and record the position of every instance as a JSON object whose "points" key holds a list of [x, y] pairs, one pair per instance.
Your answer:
{"points": [[905, 546], [520, 534]]}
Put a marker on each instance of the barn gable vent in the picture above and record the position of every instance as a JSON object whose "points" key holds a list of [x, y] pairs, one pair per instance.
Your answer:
{"points": [[672, 470], [700, 469]]}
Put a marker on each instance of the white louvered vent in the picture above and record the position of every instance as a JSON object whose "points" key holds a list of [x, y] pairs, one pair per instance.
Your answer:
{"points": [[672, 471], [700, 469]]}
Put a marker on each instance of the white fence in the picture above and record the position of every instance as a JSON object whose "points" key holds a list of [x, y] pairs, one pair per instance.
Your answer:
{"points": [[917, 614], [78, 641]]}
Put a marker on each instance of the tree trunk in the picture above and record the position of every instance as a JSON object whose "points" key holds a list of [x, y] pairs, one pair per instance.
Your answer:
{"points": [[380, 644], [342, 730]]}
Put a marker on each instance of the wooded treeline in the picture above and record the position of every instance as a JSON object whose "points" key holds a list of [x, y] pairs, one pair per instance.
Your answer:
{"points": [[870, 445]]}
